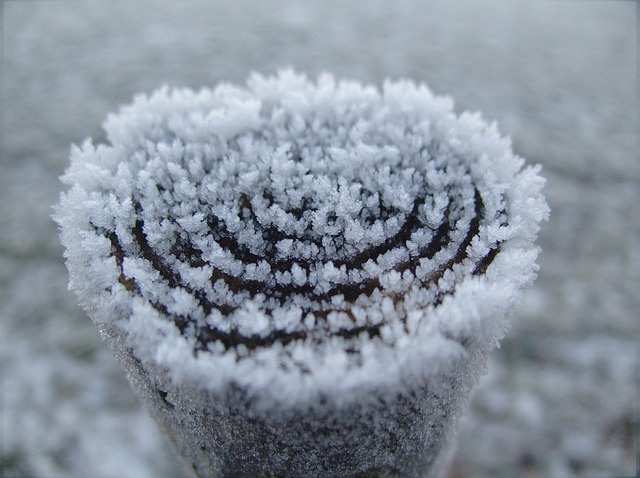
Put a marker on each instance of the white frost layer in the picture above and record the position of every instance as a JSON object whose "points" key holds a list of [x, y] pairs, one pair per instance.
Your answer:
{"points": [[335, 168]]}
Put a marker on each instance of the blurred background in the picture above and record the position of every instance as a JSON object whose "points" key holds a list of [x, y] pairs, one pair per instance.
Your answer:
{"points": [[561, 395]]}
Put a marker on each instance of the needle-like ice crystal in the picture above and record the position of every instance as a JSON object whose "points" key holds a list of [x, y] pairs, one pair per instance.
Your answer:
{"points": [[297, 236]]}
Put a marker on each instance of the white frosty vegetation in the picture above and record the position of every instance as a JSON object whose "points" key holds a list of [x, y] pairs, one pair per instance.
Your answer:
{"points": [[299, 239]]}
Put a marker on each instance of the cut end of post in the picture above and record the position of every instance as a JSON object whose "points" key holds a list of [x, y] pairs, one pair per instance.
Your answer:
{"points": [[319, 261]]}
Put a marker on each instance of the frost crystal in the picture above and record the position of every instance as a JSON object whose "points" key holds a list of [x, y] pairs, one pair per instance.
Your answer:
{"points": [[297, 229]]}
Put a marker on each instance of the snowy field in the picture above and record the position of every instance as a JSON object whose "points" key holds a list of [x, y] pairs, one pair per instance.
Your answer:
{"points": [[561, 394]]}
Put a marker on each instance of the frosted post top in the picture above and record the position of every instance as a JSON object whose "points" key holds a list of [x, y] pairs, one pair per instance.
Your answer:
{"points": [[302, 226]]}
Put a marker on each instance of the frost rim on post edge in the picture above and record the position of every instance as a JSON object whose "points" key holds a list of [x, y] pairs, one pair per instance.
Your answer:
{"points": [[298, 238]]}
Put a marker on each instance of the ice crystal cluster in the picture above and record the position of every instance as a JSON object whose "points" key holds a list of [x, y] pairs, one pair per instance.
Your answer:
{"points": [[297, 236]]}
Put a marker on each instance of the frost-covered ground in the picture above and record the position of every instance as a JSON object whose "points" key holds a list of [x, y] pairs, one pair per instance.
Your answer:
{"points": [[561, 395]]}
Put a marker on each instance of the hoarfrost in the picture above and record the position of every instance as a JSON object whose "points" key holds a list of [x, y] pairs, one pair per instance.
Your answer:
{"points": [[263, 229]]}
